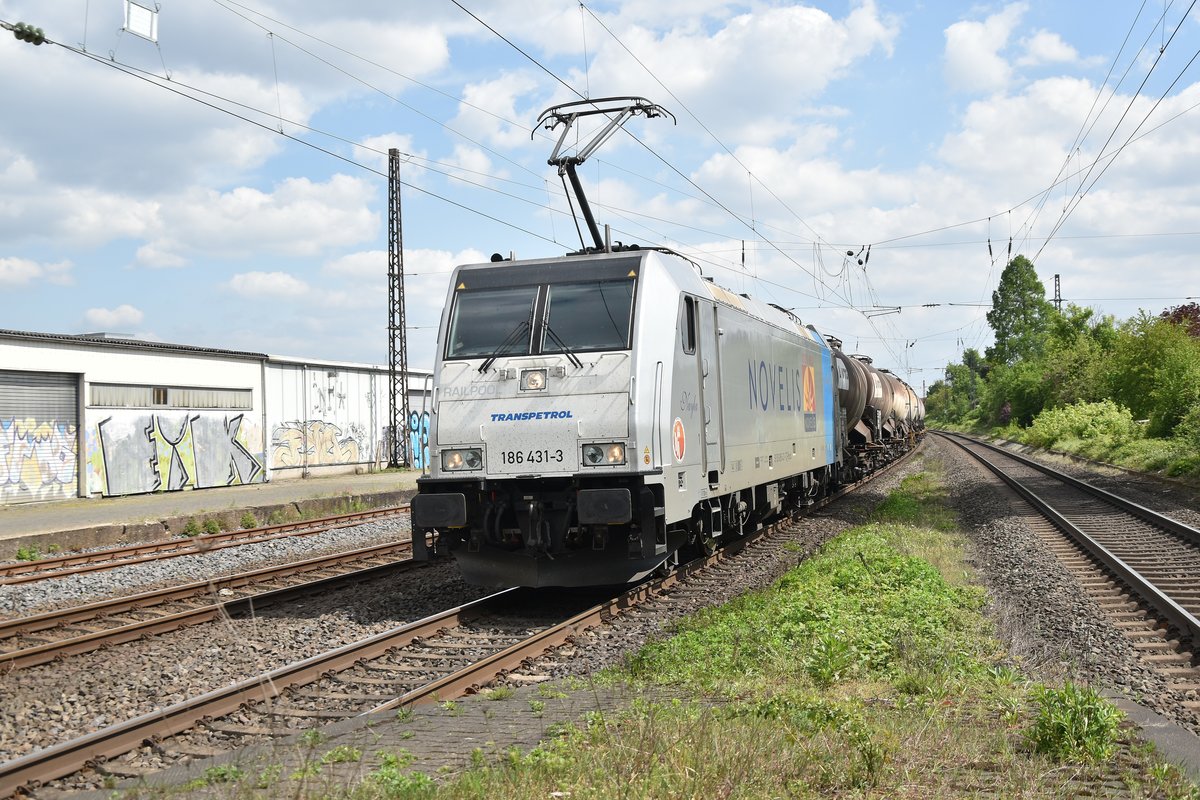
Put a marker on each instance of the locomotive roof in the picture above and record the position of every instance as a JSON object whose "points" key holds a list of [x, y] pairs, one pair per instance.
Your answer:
{"points": [[623, 264]]}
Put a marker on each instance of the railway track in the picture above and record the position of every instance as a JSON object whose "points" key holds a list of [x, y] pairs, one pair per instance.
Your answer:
{"points": [[1141, 567], [439, 657], [113, 557], [41, 638]]}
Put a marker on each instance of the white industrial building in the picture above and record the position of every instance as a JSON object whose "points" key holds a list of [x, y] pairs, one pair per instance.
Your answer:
{"points": [[95, 415]]}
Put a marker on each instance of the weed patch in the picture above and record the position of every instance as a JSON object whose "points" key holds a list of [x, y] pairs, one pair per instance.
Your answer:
{"points": [[29, 553], [1073, 723]]}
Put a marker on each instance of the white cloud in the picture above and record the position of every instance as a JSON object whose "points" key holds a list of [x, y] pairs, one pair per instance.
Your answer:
{"points": [[109, 319], [500, 111], [155, 256], [23, 271], [267, 284], [367, 264], [1045, 47], [972, 57], [754, 72], [365, 275], [299, 218]]}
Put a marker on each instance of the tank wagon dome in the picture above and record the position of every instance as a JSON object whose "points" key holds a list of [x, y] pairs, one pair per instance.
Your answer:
{"points": [[853, 395]]}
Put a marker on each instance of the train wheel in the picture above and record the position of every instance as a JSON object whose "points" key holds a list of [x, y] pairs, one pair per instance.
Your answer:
{"points": [[708, 545]]}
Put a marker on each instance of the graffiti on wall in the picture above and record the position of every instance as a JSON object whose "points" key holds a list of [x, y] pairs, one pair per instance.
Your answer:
{"points": [[38, 460], [317, 443], [418, 439], [137, 453]]}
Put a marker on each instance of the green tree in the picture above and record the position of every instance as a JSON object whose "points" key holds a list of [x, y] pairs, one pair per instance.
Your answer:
{"points": [[1076, 348], [1021, 316]]}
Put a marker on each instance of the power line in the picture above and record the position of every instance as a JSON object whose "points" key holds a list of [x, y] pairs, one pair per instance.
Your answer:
{"points": [[172, 88], [1081, 193], [649, 149]]}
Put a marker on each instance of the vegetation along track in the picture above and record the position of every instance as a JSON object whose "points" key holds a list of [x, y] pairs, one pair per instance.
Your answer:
{"points": [[111, 557], [1139, 566], [439, 657], [41, 638]]}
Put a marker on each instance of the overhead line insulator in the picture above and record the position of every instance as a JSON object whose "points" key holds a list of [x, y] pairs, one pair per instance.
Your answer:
{"points": [[27, 33]]}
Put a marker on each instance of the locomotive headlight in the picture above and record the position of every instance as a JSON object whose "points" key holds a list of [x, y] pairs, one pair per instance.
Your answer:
{"points": [[533, 380], [604, 454], [468, 458]]}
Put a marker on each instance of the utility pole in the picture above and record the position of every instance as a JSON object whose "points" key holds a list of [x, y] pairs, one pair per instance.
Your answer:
{"points": [[1057, 294], [397, 336]]}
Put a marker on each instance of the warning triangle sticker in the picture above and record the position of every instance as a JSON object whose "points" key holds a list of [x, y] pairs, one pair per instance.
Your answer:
{"points": [[631, 274], [460, 286]]}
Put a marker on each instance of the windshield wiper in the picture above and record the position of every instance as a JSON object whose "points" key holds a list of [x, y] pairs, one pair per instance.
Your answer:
{"points": [[509, 341], [563, 345]]}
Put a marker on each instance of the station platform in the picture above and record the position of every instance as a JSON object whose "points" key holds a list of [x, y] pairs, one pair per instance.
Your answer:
{"points": [[93, 522]]}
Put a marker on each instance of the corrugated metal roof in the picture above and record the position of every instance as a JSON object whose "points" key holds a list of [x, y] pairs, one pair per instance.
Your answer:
{"points": [[98, 340], [124, 343]]}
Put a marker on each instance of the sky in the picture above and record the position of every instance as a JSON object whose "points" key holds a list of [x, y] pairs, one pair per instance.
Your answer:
{"points": [[870, 165]]}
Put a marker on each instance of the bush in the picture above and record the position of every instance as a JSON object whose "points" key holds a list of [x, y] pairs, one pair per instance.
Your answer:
{"points": [[1106, 421], [1188, 429]]}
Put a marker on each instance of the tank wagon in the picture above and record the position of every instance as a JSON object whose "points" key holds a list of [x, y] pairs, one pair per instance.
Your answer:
{"points": [[596, 414]]}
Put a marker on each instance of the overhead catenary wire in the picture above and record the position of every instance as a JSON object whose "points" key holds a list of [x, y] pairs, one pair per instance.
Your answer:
{"points": [[172, 88], [1082, 192], [635, 138], [754, 224]]}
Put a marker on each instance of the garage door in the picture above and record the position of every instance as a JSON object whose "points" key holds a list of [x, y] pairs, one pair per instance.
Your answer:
{"points": [[39, 436]]}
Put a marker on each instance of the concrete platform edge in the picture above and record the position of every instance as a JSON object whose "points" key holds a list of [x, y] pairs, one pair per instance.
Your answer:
{"points": [[113, 534], [1173, 742]]}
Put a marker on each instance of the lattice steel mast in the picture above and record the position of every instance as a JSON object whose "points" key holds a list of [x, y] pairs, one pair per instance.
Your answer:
{"points": [[397, 336]]}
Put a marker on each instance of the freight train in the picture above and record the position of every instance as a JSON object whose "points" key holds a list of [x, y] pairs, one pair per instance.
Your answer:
{"points": [[598, 414], [595, 415]]}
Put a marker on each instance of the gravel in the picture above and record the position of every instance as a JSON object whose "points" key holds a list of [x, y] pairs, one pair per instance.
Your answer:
{"points": [[1050, 626], [70, 590], [43, 705]]}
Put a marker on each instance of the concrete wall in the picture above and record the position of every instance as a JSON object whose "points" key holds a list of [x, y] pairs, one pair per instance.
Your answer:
{"points": [[39, 460], [328, 417], [132, 451], [305, 417]]}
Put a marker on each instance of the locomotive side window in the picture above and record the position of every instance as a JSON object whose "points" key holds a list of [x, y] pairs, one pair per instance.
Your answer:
{"points": [[587, 316], [491, 322], [687, 327]]}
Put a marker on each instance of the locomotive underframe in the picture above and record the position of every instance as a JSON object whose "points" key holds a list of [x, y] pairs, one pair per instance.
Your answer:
{"points": [[586, 529]]}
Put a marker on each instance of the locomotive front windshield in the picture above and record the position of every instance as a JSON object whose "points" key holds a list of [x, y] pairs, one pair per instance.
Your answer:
{"points": [[491, 322], [577, 316]]}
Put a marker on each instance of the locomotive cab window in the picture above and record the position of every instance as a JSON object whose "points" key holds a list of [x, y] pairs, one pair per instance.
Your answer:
{"points": [[687, 325]]}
